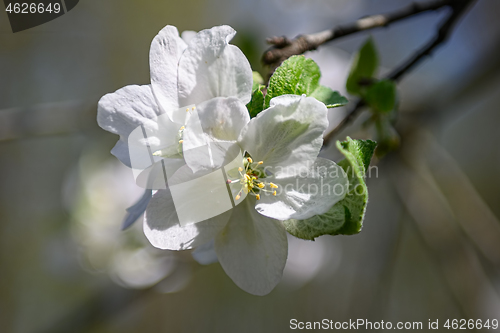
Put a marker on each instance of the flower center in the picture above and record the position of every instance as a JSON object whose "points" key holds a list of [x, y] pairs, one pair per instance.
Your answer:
{"points": [[175, 150], [250, 179]]}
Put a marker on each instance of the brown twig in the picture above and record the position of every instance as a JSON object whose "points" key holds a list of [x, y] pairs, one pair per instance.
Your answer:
{"points": [[283, 48], [458, 8]]}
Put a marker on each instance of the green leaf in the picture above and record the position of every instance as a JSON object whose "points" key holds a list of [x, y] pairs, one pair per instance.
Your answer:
{"points": [[332, 99], [387, 136], [365, 66], [296, 76], [256, 104], [346, 216], [299, 75], [381, 96], [257, 80], [357, 152]]}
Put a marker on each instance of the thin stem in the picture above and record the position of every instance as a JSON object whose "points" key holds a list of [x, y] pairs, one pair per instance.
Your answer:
{"points": [[283, 48], [445, 29], [458, 8]]}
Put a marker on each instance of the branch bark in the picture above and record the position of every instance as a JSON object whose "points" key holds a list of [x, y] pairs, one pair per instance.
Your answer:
{"points": [[283, 48], [445, 29]]}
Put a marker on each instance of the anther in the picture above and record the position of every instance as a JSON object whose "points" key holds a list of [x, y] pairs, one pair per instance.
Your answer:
{"points": [[240, 169], [260, 162], [182, 128], [257, 196], [272, 185], [249, 159], [274, 193], [181, 141]]}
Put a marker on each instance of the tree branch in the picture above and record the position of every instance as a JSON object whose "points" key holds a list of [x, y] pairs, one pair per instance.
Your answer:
{"points": [[283, 48], [356, 110], [458, 8]]}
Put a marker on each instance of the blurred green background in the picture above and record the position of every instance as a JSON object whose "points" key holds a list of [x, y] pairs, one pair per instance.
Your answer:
{"points": [[430, 247]]}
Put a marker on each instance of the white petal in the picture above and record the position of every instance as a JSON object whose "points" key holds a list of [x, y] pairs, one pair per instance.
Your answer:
{"points": [[166, 50], [188, 35], [312, 191], [123, 111], [212, 131], [121, 152], [161, 136], [198, 197], [162, 228], [205, 254], [136, 210], [222, 119], [211, 67], [287, 134], [156, 176], [252, 249]]}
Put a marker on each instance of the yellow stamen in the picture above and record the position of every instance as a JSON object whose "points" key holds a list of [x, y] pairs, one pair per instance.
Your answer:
{"points": [[238, 197], [193, 108], [240, 169], [273, 185], [257, 196], [181, 141], [182, 128], [249, 159], [260, 162], [261, 185], [187, 110], [274, 193]]}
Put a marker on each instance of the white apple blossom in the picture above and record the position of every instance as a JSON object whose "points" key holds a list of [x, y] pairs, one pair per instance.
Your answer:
{"points": [[280, 178], [183, 74]]}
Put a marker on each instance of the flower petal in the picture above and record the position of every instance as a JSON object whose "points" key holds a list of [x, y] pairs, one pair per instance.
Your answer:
{"points": [[123, 111], [121, 152], [222, 119], [212, 132], [162, 228], [252, 249], [312, 191], [211, 67], [188, 35], [155, 151], [205, 254], [166, 50], [287, 134], [136, 210], [199, 197], [155, 176]]}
